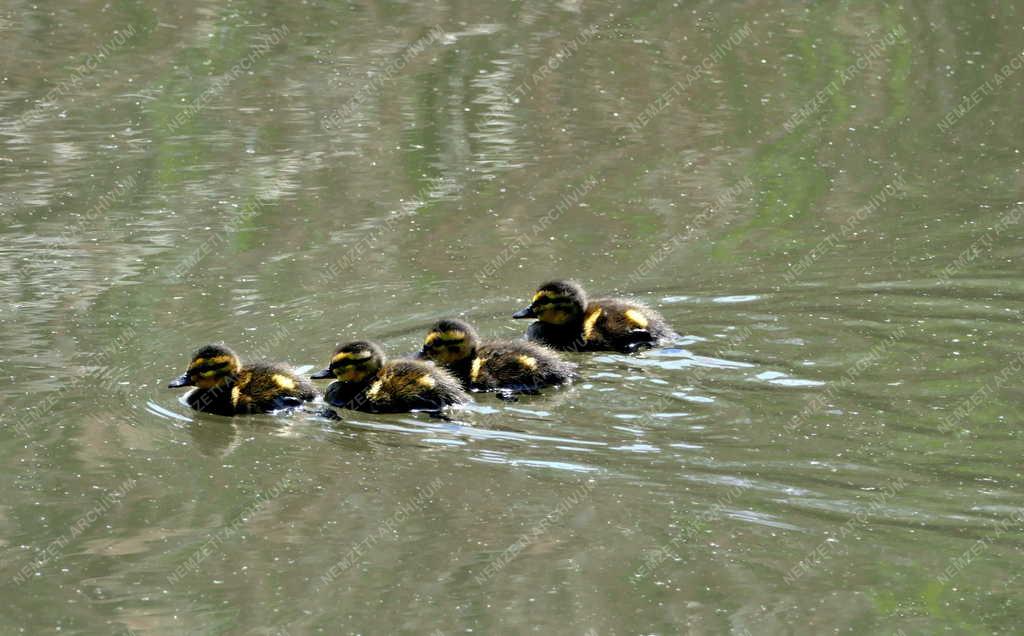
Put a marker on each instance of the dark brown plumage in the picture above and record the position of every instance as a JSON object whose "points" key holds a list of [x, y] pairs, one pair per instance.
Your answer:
{"points": [[367, 381], [225, 387], [566, 320], [493, 364]]}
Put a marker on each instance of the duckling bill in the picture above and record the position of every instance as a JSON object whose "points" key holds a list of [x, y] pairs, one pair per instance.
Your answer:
{"points": [[567, 320], [494, 364], [224, 386], [365, 380]]}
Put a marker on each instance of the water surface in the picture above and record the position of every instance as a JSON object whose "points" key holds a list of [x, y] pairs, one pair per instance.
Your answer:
{"points": [[824, 199]]}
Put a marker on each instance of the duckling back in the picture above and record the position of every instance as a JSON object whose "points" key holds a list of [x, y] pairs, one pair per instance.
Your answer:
{"points": [[401, 386], [263, 387], [622, 325], [507, 364], [607, 324]]}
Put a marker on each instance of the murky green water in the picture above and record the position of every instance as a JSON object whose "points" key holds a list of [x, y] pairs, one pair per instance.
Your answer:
{"points": [[824, 199]]}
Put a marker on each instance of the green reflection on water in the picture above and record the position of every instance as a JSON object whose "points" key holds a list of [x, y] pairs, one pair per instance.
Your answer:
{"points": [[423, 184]]}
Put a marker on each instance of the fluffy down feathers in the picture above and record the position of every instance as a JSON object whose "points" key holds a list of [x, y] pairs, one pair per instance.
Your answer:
{"points": [[258, 388], [505, 364], [606, 324], [268, 387], [399, 386]]}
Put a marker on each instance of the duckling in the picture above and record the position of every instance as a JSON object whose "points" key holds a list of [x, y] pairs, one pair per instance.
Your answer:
{"points": [[495, 364], [367, 381], [566, 320], [225, 387]]}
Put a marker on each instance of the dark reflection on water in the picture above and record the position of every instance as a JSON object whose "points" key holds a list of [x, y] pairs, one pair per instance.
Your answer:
{"points": [[831, 444]]}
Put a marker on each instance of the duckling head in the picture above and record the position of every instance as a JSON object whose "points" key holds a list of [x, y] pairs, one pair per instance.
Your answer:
{"points": [[211, 366], [450, 342], [557, 302], [353, 362]]}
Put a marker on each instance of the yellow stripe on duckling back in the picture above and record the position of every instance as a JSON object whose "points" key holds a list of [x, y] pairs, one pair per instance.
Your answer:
{"points": [[236, 392], [527, 361], [474, 371], [636, 317], [589, 322], [283, 381], [375, 388]]}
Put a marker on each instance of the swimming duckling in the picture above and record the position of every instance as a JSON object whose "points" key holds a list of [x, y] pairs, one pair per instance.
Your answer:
{"points": [[367, 381], [225, 387], [495, 364], [566, 320]]}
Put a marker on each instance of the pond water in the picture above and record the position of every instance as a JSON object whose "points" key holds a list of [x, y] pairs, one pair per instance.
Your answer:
{"points": [[824, 199]]}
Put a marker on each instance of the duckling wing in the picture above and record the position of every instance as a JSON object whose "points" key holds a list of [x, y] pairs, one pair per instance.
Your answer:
{"points": [[626, 324], [550, 364], [516, 363], [272, 386], [404, 379], [411, 384]]}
